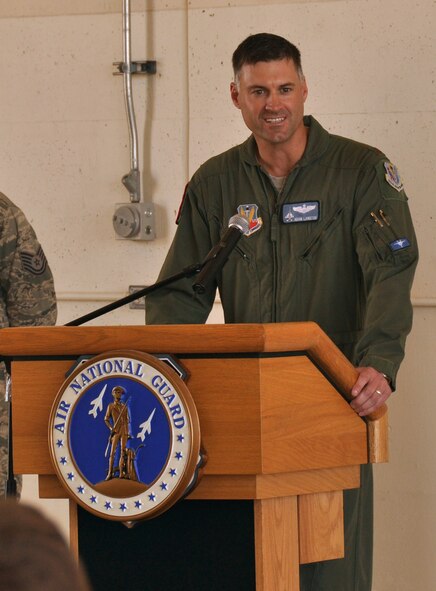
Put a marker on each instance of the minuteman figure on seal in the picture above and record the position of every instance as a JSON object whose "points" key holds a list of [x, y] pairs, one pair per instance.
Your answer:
{"points": [[117, 421]]}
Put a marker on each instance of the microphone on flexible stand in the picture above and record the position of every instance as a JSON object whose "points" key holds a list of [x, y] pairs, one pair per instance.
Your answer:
{"points": [[206, 271], [215, 259]]}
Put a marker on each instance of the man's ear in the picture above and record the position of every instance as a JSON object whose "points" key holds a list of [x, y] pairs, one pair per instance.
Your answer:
{"points": [[234, 93], [305, 90]]}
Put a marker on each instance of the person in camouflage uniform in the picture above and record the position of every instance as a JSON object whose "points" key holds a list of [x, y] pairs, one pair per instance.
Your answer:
{"points": [[27, 297]]}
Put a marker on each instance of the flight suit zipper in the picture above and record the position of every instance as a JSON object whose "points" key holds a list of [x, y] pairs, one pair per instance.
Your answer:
{"points": [[272, 197], [276, 203], [281, 196], [273, 237]]}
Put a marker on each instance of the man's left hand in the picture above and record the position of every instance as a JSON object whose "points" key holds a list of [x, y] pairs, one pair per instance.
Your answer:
{"points": [[370, 391]]}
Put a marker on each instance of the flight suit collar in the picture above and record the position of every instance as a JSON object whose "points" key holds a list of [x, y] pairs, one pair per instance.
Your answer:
{"points": [[317, 144]]}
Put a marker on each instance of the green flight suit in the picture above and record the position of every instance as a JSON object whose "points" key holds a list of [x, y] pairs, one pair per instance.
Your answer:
{"points": [[335, 246]]}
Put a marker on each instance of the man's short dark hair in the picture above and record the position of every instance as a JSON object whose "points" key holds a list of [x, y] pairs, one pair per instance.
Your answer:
{"points": [[265, 47]]}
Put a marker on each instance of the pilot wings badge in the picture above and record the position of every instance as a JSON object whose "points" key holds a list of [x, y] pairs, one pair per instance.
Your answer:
{"points": [[124, 436]]}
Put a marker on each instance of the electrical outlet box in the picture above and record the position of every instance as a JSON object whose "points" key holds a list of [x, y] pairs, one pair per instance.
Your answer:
{"points": [[134, 221], [138, 304]]}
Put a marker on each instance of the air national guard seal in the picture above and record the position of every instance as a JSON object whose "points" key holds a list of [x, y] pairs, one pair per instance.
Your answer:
{"points": [[124, 436]]}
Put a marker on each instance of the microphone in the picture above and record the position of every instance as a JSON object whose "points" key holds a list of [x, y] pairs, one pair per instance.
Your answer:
{"points": [[219, 254]]}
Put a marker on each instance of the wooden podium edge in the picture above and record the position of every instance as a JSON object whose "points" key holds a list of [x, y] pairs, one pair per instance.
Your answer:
{"points": [[221, 338], [309, 337]]}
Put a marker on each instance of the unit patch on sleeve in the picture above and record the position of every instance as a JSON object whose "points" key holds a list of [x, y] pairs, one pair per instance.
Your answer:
{"points": [[306, 211], [393, 176]]}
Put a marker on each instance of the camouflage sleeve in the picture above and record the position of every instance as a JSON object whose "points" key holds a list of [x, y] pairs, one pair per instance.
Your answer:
{"points": [[27, 295], [26, 282]]}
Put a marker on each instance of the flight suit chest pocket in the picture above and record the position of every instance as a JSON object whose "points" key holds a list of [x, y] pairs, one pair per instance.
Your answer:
{"points": [[322, 235]]}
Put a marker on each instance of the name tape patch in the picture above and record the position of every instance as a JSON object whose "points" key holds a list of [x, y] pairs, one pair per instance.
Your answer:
{"points": [[305, 211]]}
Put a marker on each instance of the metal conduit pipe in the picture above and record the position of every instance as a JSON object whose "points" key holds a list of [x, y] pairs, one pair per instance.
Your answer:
{"points": [[134, 220], [132, 180]]}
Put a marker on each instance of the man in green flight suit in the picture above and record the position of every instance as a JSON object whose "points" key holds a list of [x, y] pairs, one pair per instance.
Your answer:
{"points": [[27, 297], [330, 240]]}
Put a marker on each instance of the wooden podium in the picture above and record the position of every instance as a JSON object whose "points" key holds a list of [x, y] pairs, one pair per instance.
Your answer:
{"points": [[274, 419]]}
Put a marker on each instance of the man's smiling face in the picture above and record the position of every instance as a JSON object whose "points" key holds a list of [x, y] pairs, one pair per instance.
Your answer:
{"points": [[271, 98]]}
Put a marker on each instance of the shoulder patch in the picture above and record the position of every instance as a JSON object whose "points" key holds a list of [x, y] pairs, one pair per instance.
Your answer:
{"points": [[36, 264], [393, 177], [250, 211]]}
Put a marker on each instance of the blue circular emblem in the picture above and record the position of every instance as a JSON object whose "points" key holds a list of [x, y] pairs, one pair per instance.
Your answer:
{"points": [[124, 436]]}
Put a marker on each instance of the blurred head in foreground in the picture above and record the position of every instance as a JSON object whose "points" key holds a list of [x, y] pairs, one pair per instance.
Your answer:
{"points": [[33, 554]]}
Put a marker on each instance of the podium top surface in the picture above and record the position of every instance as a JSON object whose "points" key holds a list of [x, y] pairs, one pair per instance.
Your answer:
{"points": [[181, 338], [305, 337]]}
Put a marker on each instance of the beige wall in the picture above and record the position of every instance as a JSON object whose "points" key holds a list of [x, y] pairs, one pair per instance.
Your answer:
{"points": [[65, 147]]}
